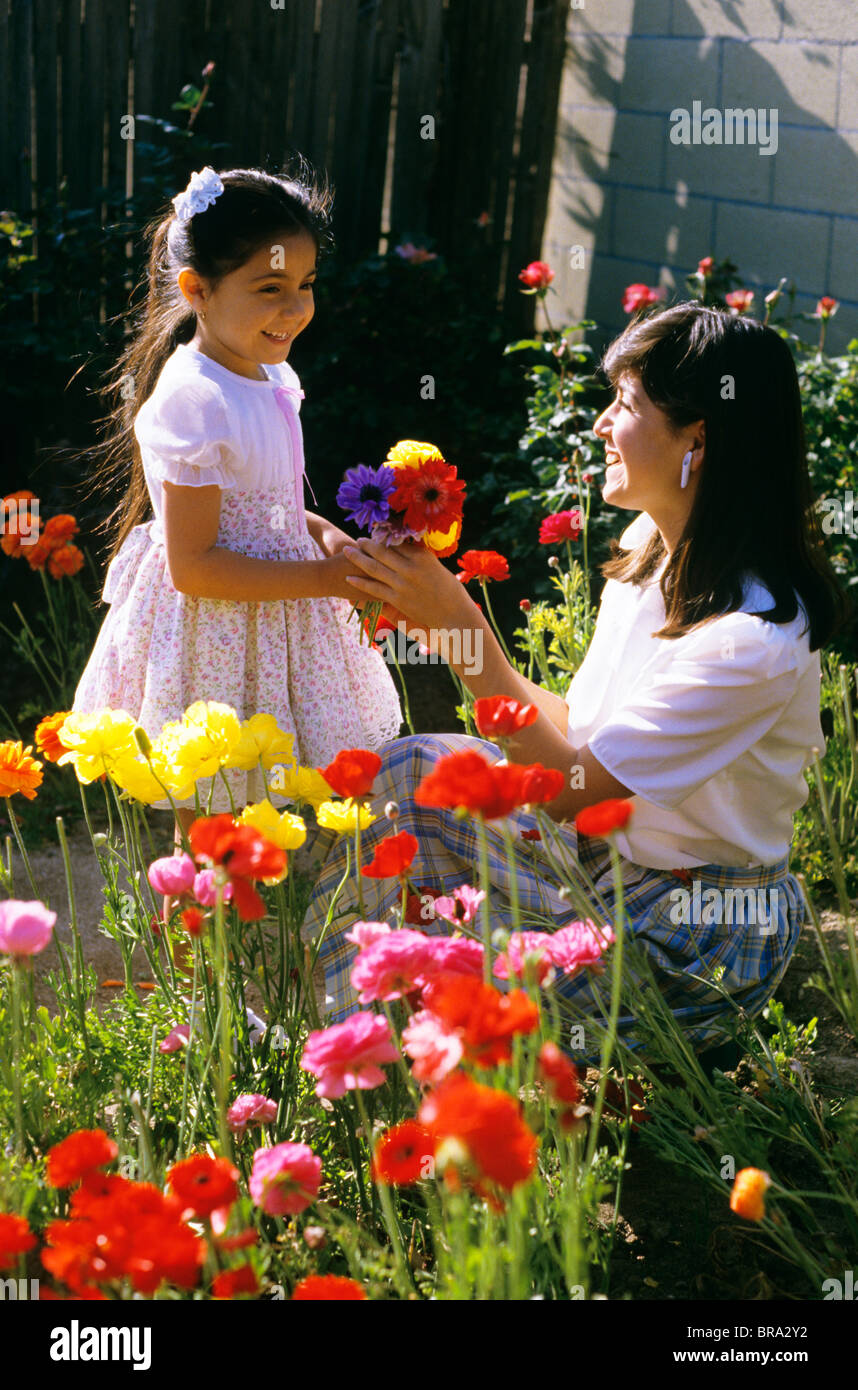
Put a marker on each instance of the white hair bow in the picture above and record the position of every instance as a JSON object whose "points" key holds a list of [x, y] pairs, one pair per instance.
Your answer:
{"points": [[200, 193]]}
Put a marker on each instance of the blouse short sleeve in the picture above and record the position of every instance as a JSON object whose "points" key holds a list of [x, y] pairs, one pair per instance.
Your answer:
{"points": [[722, 689], [187, 436]]}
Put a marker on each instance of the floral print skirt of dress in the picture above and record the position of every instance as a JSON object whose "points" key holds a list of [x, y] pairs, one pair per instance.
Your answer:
{"points": [[301, 660]]}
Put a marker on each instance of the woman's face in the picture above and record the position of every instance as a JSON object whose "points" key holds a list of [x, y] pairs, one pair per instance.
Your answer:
{"points": [[644, 453], [256, 312]]}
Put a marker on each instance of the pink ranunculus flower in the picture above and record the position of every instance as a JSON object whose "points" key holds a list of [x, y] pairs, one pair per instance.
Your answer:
{"points": [[172, 875], [390, 967], [250, 1110], [348, 1056], [461, 906], [176, 1039], [526, 952], [434, 1049], [453, 955], [285, 1179], [639, 296], [364, 934], [578, 945], [25, 927], [204, 888]]}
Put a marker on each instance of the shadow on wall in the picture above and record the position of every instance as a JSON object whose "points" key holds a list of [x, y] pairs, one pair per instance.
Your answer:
{"points": [[647, 193]]}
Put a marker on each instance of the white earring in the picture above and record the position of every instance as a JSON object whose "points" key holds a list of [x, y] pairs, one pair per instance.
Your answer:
{"points": [[686, 468]]}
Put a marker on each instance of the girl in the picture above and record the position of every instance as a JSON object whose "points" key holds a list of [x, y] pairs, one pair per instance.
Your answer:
{"points": [[232, 592], [698, 697]]}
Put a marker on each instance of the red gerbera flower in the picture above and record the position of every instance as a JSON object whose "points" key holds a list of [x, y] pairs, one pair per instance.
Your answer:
{"points": [[352, 772], [82, 1151], [482, 565], [244, 853], [487, 1124], [603, 818], [467, 780], [401, 1154], [16, 1239], [327, 1288], [430, 496], [499, 716], [486, 1019], [204, 1183], [393, 856]]}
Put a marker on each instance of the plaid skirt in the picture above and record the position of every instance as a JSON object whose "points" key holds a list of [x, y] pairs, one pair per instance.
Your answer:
{"points": [[706, 970]]}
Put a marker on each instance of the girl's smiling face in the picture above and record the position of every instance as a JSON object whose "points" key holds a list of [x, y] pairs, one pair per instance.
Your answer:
{"points": [[644, 455], [256, 312]]}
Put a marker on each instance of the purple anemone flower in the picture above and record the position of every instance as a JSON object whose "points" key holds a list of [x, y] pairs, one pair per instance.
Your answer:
{"points": [[364, 493]]}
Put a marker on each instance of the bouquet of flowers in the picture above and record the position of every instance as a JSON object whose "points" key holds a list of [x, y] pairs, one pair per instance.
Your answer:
{"points": [[415, 495]]}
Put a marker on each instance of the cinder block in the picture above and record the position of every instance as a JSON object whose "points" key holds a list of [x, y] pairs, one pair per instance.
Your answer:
{"points": [[746, 19], [622, 148], [820, 19], [654, 227], [592, 72], [843, 271], [766, 243], [661, 74], [621, 17], [847, 115], [572, 285], [798, 80], [720, 171], [579, 214], [817, 169]]}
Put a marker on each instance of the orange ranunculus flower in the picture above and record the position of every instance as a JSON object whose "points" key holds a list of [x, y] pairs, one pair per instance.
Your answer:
{"points": [[77, 1155], [19, 771], [16, 1239], [748, 1197], [60, 528], [37, 555], [393, 856], [466, 779], [65, 559], [244, 853], [482, 565], [604, 817], [352, 772], [485, 1019], [499, 716], [317, 1288], [401, 1154], [540, 784], [487, 1125], [47, 736], [232, 1282], [204, 1183], [10, 541]]}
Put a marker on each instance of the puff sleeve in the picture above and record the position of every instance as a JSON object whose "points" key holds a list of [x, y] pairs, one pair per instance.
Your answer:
{"points": [[185, 437], [722, 690]]}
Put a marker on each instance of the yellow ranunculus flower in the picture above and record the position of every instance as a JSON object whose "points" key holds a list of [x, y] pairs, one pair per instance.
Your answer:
{"points": [[95, 741], [301, 784], [342, 816], [261, 737], [409, 453], [282, 828]]}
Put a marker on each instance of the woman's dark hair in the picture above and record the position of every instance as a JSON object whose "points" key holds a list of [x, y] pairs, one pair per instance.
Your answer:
{"points": [[753, 512], [255, 209]]}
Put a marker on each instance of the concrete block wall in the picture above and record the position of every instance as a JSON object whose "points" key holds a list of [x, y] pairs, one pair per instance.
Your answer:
{"points": [[647, 209]]}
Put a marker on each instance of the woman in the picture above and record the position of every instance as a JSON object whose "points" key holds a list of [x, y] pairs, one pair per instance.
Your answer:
{"points": [[698, 697]]}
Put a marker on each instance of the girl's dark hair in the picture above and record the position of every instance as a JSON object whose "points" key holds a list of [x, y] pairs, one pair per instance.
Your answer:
{"points": [[753, 512], [255, 209]]}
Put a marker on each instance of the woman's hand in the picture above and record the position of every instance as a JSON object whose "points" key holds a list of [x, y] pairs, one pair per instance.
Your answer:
{"points": [[410, 579]]}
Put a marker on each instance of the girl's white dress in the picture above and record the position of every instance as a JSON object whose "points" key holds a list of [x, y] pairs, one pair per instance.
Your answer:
{"points": [[159, 650]]}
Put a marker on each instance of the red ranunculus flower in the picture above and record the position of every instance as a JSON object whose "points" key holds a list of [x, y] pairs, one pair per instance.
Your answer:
{"points": [[561, 526], [393, 856], [603, 818], [429, 495], [352, 772], [418, 911], [317, 1288], [466, 780], [486, 1019], [558, 1073], [537, 275], [499, 716], [82, 1151], [482, 565], [487, 1123], [16, 1239], [401, 1154], [204, 1183], [244, 853], [232, 1282]]}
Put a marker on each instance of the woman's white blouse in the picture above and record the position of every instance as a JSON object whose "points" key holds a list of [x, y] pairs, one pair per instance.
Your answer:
{"points": [[710, 731]]}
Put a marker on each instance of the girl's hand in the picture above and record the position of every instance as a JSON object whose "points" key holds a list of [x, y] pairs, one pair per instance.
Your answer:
{"points": [[331, 539], [411, 579]]}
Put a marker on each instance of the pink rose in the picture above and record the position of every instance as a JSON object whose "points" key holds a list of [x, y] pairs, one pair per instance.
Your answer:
{"points": [[347, 1056], [639, 296], [740, 301], [204, 888], [537, 276], [250, 1110], [434, 1049], [25, 927], [172, 875], [285, 1179]]}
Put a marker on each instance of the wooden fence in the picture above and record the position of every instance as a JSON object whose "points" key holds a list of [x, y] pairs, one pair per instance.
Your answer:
{"points": [[346, 82]]}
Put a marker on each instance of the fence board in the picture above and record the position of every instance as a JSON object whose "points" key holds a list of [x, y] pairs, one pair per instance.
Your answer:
{"points": [[302, 95], [378, 120], [20, 78], [45, 69], [6, 178], [342, 157], [414, 157], [324, 95]]}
